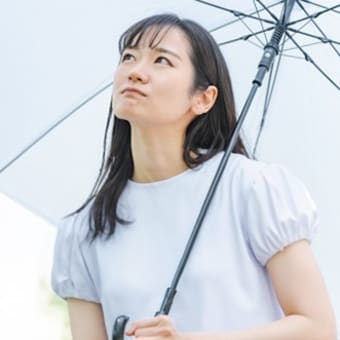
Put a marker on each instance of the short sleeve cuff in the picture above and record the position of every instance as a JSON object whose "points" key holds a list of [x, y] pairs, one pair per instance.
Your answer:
{"points": [[280, 211], [70, 276]]}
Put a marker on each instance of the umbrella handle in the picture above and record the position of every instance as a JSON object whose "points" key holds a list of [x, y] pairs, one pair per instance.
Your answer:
{"points": [[119, 327]]}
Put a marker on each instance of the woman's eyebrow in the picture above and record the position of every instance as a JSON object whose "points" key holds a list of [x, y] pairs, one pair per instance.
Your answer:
{"points": [[164, 50], [158, 49]]}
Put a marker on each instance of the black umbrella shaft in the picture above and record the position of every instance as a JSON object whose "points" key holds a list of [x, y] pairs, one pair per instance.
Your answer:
{"points": [[270, 51], [171, 291]]}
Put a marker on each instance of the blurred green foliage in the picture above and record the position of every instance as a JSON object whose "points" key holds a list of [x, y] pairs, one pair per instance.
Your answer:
{"points": [[56, 307]]}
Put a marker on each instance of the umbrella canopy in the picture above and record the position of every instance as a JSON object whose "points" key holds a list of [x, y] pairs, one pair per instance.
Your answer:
{"points": [[48, 68], [58, 54]]}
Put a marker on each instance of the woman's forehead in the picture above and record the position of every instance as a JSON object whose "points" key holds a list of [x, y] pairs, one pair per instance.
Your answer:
{"points": [[153, 36]]}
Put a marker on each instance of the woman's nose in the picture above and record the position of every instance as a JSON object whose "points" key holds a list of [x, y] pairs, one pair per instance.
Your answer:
{"points": [[138, 75]]}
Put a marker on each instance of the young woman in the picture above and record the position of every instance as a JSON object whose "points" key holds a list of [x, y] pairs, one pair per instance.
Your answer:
{"points": [[251, 274]]}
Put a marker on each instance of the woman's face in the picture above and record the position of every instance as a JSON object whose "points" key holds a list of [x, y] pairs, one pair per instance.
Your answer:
{"points": [[153, 86]]}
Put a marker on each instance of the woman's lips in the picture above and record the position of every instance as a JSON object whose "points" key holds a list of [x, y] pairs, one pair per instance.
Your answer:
{"points": [[132, 90]]}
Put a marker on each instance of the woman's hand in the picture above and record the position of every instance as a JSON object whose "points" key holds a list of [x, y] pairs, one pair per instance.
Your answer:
{"points": [[157, 328]]}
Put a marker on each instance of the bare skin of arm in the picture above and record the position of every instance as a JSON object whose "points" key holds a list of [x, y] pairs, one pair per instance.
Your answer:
{"points": [[298, 285], [303, 297], [86, 320]]}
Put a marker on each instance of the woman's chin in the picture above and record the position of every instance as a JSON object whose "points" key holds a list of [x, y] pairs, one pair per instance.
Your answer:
{"points": [[128, 114]]}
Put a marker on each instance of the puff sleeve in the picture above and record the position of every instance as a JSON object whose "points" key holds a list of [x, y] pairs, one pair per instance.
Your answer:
{"points": [[279, 211], [70, 276]]}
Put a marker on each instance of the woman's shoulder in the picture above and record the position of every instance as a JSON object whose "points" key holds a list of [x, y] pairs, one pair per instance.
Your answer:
{"points": [[249, 170], [75, 226], [241, 168], [244, 175]]}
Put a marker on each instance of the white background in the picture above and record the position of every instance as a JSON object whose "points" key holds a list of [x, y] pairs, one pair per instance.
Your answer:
{"points": [[53, 54]]}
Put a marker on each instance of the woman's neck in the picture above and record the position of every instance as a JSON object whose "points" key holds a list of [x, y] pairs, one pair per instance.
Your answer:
{"points": [[157, 154]]}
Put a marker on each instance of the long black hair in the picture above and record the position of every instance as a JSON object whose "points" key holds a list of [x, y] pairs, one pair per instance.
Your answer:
{"points": [[210, 131]]}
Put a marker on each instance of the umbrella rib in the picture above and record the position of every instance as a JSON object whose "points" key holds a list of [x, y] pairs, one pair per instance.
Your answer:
{"points": [[318, 5], [236, 20], [100, 178], [245, 37], [300, 28], [274, 82], [264, 114], [54, 125], [251, 42], [268, 11], [268, 98], [292, 56], [309, 59], [314, 15], [261, 23], [318, 27], [234, 12], [322, 39], [251, 31], [306, 45]]}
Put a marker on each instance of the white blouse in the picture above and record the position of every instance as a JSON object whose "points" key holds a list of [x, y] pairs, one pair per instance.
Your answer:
{"points": [[257, 210]]}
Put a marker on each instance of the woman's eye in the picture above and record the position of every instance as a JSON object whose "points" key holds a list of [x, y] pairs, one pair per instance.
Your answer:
{"points": [[127, 57], [162, 60]]}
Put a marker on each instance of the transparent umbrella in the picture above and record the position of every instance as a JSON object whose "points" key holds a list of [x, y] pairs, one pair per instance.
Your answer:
{"points": [[51, 145]]}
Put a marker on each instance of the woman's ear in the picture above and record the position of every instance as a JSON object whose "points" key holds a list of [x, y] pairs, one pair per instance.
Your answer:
{"points": [[204, 100]]}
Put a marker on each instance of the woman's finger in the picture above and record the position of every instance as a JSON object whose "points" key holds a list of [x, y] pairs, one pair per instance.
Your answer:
{"points": [[160, 325], [150, 322], [158, 331]]}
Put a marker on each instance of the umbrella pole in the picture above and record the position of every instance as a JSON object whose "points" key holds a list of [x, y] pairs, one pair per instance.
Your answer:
{"points": [[270, 52]]}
